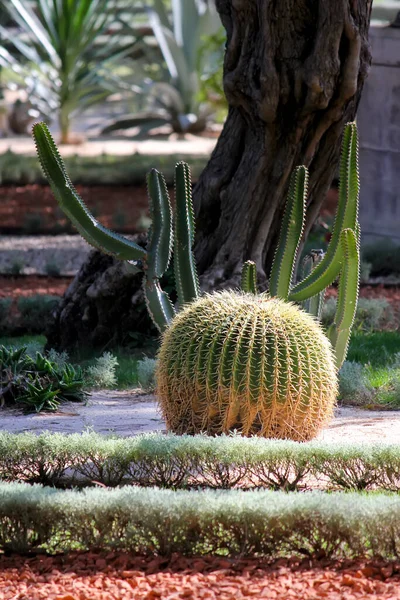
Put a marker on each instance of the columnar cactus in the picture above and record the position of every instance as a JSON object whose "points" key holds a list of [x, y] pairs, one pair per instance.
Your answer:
{"points": [[155, 259], [246, 361]]}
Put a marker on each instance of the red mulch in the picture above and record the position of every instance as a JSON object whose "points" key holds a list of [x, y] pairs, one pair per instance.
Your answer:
{"points": [[109, 576], [29, 285], [33, 209]]}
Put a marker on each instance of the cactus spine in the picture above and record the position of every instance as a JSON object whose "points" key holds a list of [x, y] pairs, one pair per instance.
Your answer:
{"points": [[247, 362]]}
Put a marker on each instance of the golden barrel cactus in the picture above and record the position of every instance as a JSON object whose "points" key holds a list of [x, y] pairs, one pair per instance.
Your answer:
{"points": [[251, 363]]}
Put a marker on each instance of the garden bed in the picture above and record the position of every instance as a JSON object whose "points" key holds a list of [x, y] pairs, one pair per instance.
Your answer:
{"points": [[109, 575], [13, 286], [32, 209]]}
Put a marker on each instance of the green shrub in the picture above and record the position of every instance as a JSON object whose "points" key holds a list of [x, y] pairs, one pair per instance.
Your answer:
{"points": [[37, 383], [5, 304], [372, 314], [105, 169], [384, 257], [36, 311], [365, 271], [354, 387], [196, 461], [228, 522], [146, 374], [52, 268], [102, 373], [16, 267]]}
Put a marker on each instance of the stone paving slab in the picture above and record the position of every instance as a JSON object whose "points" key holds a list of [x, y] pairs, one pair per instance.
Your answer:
{"points": [[132, 412]]}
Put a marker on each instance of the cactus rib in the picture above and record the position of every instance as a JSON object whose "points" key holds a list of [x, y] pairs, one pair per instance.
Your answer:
{"points": [[249, 277], [159, 246], [186, 280], [346, 218], [290, 234], [74, 207]]}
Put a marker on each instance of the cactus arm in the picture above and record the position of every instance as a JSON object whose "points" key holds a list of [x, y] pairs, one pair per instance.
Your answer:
{"points": [[158, 304], [249, 277], [186, 280], [73, 206], [291, 231], [346, 218], [159, 247], [339, 332], [314, 304]]}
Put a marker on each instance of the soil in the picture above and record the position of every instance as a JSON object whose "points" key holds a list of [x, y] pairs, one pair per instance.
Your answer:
{"points": [[33, 209], [28, 285], [109, 576]]}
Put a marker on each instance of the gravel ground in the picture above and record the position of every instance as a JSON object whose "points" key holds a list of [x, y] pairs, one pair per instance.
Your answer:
{"points": [[131, 412], [35, 252]]}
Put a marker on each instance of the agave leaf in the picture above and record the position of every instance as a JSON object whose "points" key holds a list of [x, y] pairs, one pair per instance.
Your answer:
{"points": [[136, 121], [26, 18]]}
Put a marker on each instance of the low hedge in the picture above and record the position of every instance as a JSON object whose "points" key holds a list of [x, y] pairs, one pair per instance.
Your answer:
{"points": [[196, 461], [106, 169], [229, 522]]}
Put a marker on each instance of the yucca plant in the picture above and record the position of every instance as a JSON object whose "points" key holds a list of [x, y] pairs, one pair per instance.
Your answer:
{"points": [[179, 35], [238, 360], [67, 70]]}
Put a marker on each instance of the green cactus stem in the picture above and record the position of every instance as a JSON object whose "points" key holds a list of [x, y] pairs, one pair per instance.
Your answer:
{"points": [[159, 305], [314, 304], [160, 235], [329, 268], [339, 332], [186, 280], [235, 361], [290, 234], [71, 203], [249, 278], [153, 261]]}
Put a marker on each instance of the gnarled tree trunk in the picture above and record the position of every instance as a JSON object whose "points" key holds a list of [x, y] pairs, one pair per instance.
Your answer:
{"points": [[293, 76]]}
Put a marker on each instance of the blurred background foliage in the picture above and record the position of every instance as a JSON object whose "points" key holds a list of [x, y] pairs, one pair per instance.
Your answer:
{"points": [[155, 63]]}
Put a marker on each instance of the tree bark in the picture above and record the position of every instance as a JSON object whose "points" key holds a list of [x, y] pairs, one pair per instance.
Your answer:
{"points": [[102, 308], [293, 76]]}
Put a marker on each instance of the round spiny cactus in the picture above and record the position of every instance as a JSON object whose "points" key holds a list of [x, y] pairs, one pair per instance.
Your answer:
{"points": [[236, 361]]}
